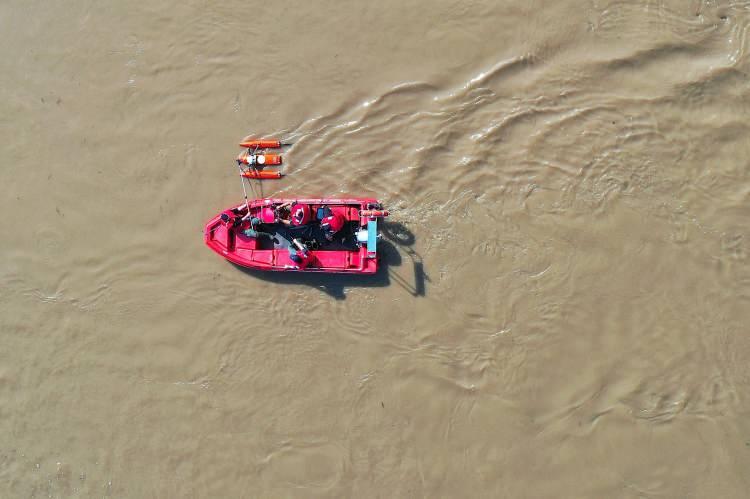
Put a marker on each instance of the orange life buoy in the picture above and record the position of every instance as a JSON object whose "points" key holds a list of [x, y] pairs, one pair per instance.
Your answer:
{"points": [[262, 174], [373, 213], [259, 159], [261, 144]]}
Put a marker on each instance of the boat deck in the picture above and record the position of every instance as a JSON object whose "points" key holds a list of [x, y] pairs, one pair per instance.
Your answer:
{"points": [[345, 239]]}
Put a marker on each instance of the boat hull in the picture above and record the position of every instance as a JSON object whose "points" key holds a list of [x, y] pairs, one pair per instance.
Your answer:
{"points": [[270, 251]]}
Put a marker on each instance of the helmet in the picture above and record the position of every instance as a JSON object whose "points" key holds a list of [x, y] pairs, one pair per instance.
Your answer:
{"points": [[301, 214]]}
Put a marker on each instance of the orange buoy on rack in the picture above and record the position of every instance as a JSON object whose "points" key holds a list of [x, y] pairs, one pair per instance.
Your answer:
{"points": [[262, 174], [248, 158], [262, 143], [373, 213]]}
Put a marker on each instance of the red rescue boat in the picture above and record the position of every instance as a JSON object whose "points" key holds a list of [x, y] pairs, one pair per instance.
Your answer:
{"points": [[296, 235]]}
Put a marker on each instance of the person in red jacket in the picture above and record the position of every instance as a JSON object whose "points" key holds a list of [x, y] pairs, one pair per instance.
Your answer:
{"points": [[331, 225], [299, 254], [301, 214]]}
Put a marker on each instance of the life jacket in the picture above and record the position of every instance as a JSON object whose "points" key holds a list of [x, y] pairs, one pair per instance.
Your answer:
{"points": [[301, 214], [332, 223]]}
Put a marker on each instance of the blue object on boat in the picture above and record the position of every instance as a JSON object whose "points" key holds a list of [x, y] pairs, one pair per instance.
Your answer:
{"points": [[322, 212], [372, 236]]}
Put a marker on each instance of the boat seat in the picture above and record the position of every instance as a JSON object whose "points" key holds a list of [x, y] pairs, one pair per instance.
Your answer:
{"points": [[331, 259], [244, 242], [264, 256]]}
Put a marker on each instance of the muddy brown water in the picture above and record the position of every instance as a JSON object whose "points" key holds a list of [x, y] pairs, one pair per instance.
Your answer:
{"points": [[565, 306]]}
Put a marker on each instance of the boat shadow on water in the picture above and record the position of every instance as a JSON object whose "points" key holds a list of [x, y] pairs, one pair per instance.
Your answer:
{"points": [[397, 240]]}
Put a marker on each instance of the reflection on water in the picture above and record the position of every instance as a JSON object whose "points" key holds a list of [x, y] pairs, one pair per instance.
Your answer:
{"points": [[334, 285], [402, 241]]}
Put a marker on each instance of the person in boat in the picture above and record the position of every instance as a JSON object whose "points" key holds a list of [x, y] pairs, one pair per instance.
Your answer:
{"points": [[283, 213], [301, 214], [253, 229], [331, 225], [231, 218], [293, 213], [299, 254]]}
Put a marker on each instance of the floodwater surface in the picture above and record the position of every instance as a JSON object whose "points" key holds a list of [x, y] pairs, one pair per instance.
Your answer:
{"points": [[565, 297]]}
